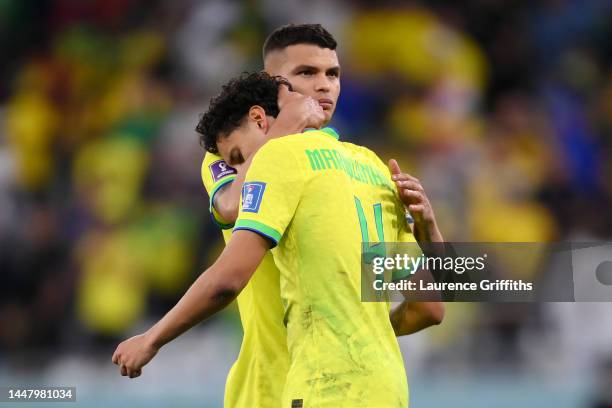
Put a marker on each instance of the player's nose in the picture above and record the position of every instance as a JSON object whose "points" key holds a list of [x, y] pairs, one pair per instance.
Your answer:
{"points": [[322, 83]]}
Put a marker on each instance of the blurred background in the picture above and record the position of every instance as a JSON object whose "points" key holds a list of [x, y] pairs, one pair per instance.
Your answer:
{"points": [[503, 109]]}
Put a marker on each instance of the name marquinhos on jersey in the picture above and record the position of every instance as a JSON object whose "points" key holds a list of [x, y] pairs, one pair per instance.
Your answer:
{"points": [[332, 159]]}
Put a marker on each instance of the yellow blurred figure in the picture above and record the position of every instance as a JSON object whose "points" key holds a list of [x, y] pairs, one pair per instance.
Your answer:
{"points": [[31, 123], [414, 44], [109, 172], [111, 293]]}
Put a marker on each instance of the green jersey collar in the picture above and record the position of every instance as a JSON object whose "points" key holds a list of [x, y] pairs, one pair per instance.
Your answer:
{"points": [[328, 130]]}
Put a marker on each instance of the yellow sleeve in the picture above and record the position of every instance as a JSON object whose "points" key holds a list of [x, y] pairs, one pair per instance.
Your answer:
{"points": [[272, 190], [216, 174]]}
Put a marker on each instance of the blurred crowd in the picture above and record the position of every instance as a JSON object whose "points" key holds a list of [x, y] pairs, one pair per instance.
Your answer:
{"points": [[502, 109]]}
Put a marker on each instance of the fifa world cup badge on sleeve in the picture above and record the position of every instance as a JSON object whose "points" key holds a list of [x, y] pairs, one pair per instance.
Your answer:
{"points": [[220, 169], [252, 193]]}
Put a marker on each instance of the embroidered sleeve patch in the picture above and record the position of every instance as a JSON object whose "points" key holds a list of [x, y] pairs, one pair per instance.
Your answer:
{"points": [[252, 193], [220, 169]]}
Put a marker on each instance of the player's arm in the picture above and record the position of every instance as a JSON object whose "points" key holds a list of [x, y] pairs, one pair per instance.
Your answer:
{"points": [[267, 212], [214, 289], [413, 196], [297, 112], [410, 316], [217, 175], [227, 199]]}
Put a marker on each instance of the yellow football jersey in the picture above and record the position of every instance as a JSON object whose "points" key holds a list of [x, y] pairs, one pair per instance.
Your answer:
{"points": [[257, 377], [317, 199]]}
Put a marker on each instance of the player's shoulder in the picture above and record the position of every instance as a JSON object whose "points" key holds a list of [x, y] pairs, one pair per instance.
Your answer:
{"points": [[364, 153], [277, 152], [358, 149], [210, 162], [287, 147], [216, 166], [215, 171], [288, 143], [210, 158]]}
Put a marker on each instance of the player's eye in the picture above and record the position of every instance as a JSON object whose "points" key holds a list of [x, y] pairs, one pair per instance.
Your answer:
{"points": [[333, 74], [236, 158], [306, 72]]}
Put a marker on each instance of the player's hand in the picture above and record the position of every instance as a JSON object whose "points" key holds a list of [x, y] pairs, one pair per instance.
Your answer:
{"points": [[299, 110], [413, 196], [133, 354]]}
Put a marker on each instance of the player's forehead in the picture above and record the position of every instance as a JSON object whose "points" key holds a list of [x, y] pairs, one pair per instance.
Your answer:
{"points": [[283, 61], [226, 142]]}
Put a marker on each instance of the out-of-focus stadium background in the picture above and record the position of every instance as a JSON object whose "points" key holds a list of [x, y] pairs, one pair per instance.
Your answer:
{"points": [[502, 109]]}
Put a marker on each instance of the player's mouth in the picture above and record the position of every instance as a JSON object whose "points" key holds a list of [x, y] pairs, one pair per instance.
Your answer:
{"points": [[326, 104]]}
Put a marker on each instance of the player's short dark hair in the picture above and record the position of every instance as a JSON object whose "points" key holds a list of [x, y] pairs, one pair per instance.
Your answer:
{"points": [[228, 109], [293, 34]]}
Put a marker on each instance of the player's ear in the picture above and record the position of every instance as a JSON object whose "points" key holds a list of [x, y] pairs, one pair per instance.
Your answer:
{"points": [[257, 114]]}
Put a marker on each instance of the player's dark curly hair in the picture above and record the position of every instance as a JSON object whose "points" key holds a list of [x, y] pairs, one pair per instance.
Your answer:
{"points": [[293, 34], [228, 109]]}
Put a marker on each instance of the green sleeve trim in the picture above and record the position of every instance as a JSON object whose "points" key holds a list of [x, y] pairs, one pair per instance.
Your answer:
{"points": [[213, 213], [260, 228]]}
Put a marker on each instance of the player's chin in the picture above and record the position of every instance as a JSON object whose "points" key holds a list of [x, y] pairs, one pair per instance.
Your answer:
{"points": [[328, 113]]}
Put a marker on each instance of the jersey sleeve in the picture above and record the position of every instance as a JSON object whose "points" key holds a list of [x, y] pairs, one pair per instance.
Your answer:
{"points": [[271, 192], [216, 174]]}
